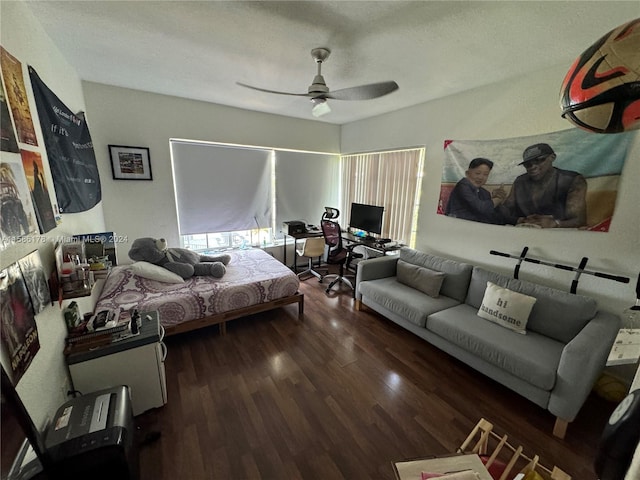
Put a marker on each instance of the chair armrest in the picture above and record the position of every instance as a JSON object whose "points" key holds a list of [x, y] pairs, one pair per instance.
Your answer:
{"points": [[351, 256], [582, 361], [373, 268]]}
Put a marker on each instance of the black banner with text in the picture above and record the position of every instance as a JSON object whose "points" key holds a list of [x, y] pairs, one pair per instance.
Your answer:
{"points": [[70, 151]]}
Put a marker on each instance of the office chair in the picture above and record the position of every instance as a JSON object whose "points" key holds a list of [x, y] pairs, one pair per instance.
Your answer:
{"points": [[311, 247], [336, 253]]}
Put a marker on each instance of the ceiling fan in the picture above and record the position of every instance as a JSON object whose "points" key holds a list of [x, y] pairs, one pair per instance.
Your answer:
{"points": [[319, 93]]}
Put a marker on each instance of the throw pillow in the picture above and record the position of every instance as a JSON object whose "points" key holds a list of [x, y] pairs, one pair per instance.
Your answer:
{"points": [[424, 279], [155, 272], [506, 308]]}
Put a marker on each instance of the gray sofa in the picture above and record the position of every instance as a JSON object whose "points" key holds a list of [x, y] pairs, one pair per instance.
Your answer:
{"points": [[554, 364]]}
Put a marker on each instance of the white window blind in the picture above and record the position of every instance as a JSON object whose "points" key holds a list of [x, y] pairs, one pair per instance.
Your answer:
{"points": [[221, 188], [387, 179], [305, 183]]}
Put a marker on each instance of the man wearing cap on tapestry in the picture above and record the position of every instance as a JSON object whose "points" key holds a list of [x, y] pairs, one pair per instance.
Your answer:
{"points": [[545, 196]]}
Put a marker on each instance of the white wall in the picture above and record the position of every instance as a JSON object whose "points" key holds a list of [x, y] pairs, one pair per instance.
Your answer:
{"points": [[41, 388], [119, 116], [521, 107]]}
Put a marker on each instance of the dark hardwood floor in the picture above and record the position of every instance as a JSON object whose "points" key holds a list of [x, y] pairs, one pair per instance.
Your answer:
{"points": [[340, 395]]}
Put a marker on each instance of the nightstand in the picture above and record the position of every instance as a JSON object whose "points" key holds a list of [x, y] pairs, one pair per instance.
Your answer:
{"points": [[137, 361]]}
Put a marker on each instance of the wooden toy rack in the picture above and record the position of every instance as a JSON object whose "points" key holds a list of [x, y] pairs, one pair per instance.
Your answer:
{"points": [[498, 449]]}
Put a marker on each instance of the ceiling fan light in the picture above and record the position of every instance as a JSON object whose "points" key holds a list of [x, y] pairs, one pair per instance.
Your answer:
{"points": [[320, 107]]}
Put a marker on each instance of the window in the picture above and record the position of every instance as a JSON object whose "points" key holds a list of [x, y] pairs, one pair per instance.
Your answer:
{"points": [[223, 240], [221, 188], [305, 183], [390, 179], [233, 195]]}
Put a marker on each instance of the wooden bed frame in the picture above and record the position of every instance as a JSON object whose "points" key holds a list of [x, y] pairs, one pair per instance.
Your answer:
{"points": [[222, 318]]}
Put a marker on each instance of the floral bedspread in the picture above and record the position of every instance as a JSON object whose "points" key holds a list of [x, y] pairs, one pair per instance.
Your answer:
{"points": [[253, 277]]}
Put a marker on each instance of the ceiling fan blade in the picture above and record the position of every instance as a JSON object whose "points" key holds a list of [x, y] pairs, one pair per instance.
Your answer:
{"points": [[363, 92], [272, 91]]}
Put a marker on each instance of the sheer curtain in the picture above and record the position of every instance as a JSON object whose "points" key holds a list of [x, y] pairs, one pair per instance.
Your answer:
{"points": [[389, 179]]}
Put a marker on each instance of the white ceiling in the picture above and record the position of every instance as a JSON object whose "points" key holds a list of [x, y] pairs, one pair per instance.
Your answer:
{"points": [[200, 49]]}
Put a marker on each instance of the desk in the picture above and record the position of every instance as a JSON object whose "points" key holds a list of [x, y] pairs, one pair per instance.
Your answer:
{"points": [[372, 244], [296, 237], [346, 236]]}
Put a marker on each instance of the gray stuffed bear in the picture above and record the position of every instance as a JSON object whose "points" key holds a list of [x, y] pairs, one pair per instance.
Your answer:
{"points": [[181, 261]]}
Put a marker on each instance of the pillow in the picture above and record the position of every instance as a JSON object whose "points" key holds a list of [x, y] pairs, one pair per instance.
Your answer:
{"points": [[155, 272], [424, 279], [457, 274], [506, 308]]}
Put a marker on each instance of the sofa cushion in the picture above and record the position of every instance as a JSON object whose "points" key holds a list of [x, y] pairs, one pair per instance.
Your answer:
{"points": [[457, 276], [424, 279], [506, 308], [533, 357], [556, 314], [409, 303]]}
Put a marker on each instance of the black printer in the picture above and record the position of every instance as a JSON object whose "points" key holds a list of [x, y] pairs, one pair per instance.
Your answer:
{"points": [[294, 227], [90, 436]]}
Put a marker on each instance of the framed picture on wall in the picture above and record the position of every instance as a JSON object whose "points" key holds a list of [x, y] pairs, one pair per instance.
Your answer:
{"points": [[130, 163]]}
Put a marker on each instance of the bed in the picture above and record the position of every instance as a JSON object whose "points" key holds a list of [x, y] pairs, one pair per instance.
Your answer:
{"points": [[254, 282]]}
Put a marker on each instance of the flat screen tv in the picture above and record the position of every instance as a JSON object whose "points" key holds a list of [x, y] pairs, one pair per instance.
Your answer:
{"points": [[367, 218]]}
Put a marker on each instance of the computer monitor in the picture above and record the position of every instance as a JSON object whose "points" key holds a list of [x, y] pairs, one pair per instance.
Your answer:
{"points": [[367, 218]]}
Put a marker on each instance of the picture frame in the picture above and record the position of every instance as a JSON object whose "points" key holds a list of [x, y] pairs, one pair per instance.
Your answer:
{"points": [[130, 163]]}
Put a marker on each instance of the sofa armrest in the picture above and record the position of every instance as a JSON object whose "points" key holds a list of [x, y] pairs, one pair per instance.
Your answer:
{"points": [[374, 268], [582, 361]]}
